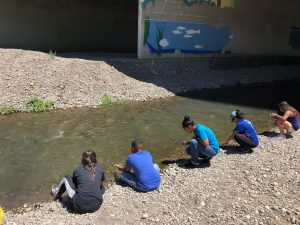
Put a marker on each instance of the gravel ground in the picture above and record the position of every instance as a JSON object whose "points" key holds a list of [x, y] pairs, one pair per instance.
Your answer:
{"points": [[258, 188], [74, 82]]}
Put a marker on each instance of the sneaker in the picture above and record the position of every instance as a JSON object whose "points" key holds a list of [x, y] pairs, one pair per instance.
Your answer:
{"points": [[189, 164], [207, 160], [54, 191]]}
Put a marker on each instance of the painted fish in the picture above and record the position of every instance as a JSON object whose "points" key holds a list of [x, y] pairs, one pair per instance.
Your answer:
{"points": [[176, 32], [164, 42], [181, 28], [198, 46], [191, 32], [187, 36]]}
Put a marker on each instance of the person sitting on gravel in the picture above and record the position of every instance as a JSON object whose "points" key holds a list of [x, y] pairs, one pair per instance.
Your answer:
{"points": [[288, 122], [204, 145], [244, 133], [85, 189], [145, 176]]}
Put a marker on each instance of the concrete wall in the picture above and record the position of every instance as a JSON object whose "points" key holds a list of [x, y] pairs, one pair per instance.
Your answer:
{"points": [[172, 28], [69, 25]]}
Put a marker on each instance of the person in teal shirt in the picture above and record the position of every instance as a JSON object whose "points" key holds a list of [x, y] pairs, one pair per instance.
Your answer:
{"points": [[203, 146]]}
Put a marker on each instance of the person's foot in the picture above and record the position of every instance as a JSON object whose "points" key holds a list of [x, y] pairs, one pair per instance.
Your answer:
{"points": [[190, 164], [54, 191], [206, 160]]}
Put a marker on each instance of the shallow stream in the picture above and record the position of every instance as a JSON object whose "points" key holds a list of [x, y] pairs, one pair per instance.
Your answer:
{"points": [[36, 150]]}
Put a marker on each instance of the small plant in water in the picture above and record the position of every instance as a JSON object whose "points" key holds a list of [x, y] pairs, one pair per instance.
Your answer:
{"points": [[39, 105], [105, 100], [52, 54], [8, 109]]}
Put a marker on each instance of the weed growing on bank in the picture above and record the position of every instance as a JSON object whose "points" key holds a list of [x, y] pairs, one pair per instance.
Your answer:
{"points": [[8, 109], [37, 104], [105, 100], [52, 54]]}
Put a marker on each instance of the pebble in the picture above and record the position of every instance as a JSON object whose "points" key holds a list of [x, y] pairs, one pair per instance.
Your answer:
{"points": [[145, 216]]}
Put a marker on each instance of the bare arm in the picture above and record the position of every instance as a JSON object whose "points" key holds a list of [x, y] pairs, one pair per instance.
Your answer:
{"points": [[123, 168], [283, 118], [225, 143]]}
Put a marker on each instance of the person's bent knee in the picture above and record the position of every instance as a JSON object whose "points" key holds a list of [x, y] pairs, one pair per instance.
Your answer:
{"points": [[193, 142]]}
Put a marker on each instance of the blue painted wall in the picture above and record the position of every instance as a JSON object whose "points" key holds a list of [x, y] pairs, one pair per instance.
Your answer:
{"points": [[187, 37]]}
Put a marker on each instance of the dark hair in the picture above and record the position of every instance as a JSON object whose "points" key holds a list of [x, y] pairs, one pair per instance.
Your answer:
{"points": [[285, 106], [239, 114], [137, 144], [89, 162], [187, 122]]}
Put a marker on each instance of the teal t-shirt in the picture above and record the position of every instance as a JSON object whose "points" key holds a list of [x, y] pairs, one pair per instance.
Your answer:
{"points": [[202, 132]]}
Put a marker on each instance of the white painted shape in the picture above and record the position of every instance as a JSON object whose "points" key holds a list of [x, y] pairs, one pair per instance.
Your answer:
{"points": [[191, 32], [176, 32], [181, 28], [198, 46], [187, 36], [164, 43]]}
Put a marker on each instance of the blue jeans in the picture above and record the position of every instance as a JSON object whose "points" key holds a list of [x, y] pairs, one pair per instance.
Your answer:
{"points": [[196, 150], [132, 180]]}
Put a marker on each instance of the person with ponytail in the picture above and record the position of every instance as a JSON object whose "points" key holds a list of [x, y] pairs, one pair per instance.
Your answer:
{"points": [[85, 189], [287, 119], [203, 146], [244, 133]]}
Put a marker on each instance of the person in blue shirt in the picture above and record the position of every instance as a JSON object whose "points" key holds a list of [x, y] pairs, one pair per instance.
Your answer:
{"points": [[145, 176], [244, 133], [203, 146]]}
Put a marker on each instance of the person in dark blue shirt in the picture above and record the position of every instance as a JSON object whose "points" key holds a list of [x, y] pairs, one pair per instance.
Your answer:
{"points": [[244, 133], [204, 146], [145, 176]]}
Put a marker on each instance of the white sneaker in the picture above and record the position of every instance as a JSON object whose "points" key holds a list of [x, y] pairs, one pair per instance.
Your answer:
{"points": [[54, 190]]}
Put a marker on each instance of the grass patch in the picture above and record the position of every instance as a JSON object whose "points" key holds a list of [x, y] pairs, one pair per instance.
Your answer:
{"points": [[39, 105], [105, 100], [52, 54], [8, 109]]}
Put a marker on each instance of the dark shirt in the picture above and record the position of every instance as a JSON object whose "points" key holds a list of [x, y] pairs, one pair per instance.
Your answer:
{"points": [[89, 193]]}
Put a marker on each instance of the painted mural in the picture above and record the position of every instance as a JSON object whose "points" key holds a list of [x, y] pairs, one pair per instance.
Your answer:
{"points": [[145, 3], [167, 37], [213, 3]]}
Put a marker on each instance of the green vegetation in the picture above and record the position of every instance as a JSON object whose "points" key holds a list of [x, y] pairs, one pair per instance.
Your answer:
{"points": [[146, 30], [105, 100], [39, 105], [8, 109], [160, 29], [52, 54]]}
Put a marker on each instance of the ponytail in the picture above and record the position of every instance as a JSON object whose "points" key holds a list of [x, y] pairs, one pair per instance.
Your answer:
{"points": [[89, 162], [187, 122]]}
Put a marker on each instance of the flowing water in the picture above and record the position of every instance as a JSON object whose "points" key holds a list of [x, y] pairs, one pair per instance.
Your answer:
{"points": [[38, 149]]}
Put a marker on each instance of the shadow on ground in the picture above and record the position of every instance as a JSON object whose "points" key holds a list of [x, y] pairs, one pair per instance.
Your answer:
{"points": [[180, 75]]}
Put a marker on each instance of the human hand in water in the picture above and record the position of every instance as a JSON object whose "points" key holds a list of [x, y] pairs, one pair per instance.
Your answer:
{"points": [[184, 143], [119, 167], [272, 115], [224, 143]]}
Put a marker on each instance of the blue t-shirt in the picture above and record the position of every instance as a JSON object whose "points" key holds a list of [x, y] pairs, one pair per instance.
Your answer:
{"points": [[245, 127], [142, 165], [202, 132]]}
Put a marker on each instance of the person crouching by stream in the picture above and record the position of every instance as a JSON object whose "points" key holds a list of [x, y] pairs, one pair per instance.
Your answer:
{"points": [[85, 189], [244, 133], [203, 146], [145, 176], [288, 122]]}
